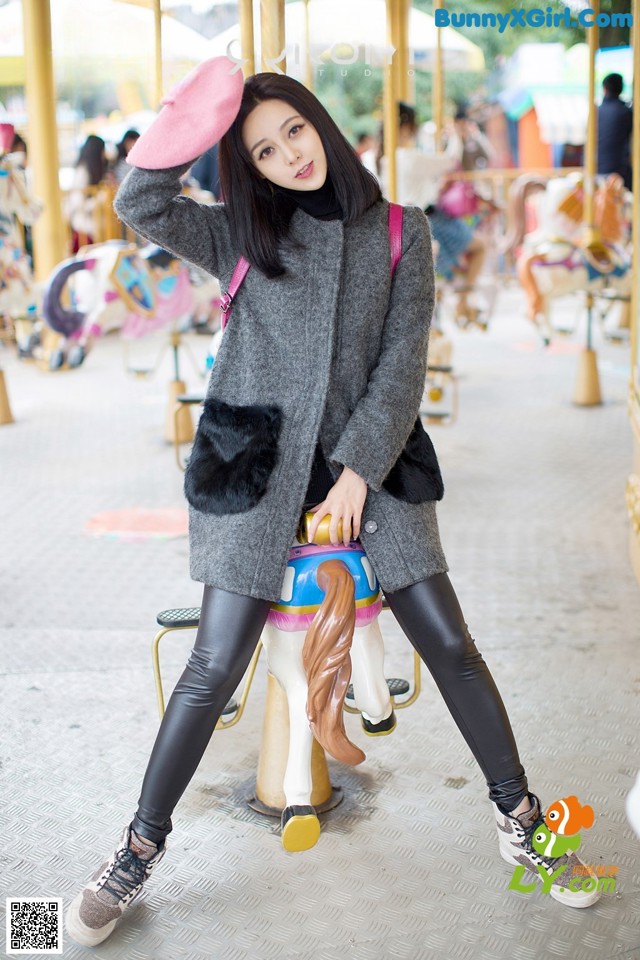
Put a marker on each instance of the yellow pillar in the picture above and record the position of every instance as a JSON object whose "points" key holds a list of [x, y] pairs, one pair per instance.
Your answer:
{"points": [[587, 386], [157, 18], [590, 166], [272, 33], [247, 46], [396, 12], [390, 104], [403, 81], [308, 71], [49, 234], [5, 407], [437, 93]]}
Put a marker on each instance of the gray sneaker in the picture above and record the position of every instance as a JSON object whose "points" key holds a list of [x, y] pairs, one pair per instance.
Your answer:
{"points": [[516, 836], [93, 914]]}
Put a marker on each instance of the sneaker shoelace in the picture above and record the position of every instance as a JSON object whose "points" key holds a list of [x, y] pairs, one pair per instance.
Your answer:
{"points": [[126, 875], [528, 833]]}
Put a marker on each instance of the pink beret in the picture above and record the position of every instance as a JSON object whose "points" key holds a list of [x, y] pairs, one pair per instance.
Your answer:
{"points": [[194, 116]]}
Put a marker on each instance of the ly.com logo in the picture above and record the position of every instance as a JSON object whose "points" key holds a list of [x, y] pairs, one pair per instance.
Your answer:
{"points": [[557, 836]]}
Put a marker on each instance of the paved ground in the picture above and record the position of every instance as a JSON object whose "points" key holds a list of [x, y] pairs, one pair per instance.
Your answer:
{"points": [[407, 867]]}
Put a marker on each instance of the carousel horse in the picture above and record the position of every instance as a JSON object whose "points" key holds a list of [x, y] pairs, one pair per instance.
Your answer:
{"points": [[554, 261], [323, 630], [117, 286]]}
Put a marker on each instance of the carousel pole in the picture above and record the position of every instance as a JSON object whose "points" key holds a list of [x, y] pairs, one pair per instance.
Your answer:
{"points": [[390, 103], [308, 71], [273, 38], [5, 407], [437, 96], [400, 56], [246, 37], [407, 83], [587, 386], [49, 233], [157, 22]]}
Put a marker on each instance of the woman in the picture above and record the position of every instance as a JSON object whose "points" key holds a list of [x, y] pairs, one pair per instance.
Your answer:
{"points": [[120, 168], [317, 383], [461, 252], [81, 208]]}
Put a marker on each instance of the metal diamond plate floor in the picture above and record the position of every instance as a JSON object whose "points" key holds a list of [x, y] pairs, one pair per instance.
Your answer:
{"points": [[407, 866]]}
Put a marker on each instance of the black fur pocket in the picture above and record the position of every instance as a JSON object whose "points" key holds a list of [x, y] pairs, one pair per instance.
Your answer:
{"points": [[233, 456], [415, 477]]}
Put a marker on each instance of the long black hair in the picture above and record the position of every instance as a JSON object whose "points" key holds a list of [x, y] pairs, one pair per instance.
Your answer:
{"points": [[129, 138], [92, 157], [259, 215]]}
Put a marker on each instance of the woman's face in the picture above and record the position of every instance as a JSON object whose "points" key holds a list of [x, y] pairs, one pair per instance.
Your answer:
{"points": [[284, 147]]}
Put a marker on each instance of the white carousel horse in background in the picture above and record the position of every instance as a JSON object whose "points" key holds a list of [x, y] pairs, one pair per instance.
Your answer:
{"points": [[325, 626], [117, 286], [554, 261]]}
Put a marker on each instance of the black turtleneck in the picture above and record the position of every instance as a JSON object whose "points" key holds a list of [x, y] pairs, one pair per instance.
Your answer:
{"points": [[322, 204]]}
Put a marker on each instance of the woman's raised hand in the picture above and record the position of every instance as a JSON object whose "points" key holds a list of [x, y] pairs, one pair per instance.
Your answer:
{"points": [[345, 502]]}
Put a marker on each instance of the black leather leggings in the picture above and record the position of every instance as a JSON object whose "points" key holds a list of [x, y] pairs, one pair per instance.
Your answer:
{"points": [[430, 616], [230, 627]]}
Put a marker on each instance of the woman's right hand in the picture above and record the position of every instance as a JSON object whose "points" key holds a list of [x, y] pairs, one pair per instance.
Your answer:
{"points": [[344, 502]]}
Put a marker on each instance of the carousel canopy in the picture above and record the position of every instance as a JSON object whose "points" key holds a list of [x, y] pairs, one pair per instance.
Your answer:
{"points": [[100, 32]]}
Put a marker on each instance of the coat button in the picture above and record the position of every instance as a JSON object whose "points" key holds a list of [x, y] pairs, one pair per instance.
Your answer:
{"points": [[371, 526]]}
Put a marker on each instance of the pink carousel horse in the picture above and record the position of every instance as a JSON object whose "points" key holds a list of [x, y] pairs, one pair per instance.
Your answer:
{"points": [[116, 286]]}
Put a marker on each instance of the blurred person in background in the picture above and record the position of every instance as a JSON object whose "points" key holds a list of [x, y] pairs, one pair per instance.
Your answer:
{"points": [[81, 206], [460, 252], [120, 168], [615, 120], [205, 172], [467, 144], [18, 157], [364, 142]]}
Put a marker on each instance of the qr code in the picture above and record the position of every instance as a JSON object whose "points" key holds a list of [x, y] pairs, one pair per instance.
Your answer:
{"points": [[34, 925]]}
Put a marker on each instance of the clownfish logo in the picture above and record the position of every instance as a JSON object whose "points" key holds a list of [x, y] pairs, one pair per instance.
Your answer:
{"points": [[558, 835], [566, 817]]}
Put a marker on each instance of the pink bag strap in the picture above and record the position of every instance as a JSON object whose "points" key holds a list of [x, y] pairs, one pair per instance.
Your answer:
{"points": [[240, 271], [395, 234], [241, 268]]}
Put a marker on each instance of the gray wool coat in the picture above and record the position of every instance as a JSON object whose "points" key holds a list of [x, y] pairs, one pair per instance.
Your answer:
{"points": [[340, 350]]}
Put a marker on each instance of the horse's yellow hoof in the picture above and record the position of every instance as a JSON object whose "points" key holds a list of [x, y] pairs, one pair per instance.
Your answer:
{"points": [[300, 828]]}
